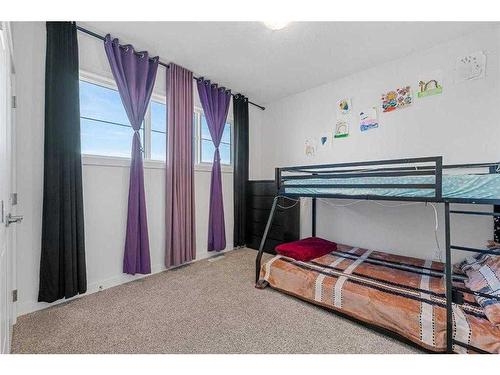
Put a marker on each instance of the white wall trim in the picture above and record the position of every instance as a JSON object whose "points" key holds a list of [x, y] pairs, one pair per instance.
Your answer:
{"points": [[116, 161]]}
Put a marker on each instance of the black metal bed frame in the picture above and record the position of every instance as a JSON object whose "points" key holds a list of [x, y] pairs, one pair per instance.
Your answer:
{"points": [[426, 166]]}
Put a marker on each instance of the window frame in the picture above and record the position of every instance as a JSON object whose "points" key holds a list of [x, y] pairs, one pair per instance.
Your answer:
{"points": [[198, 142], [161, 99], [122, 161]]}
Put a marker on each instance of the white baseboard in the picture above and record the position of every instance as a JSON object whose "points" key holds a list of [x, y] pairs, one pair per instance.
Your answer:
{"points": [[27, 307]]}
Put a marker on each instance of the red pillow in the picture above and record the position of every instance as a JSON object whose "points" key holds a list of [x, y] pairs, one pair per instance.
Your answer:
{"points": [[306, 249]]}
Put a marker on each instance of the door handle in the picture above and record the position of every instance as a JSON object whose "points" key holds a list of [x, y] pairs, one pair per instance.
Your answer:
{"points": [[13, 219]]}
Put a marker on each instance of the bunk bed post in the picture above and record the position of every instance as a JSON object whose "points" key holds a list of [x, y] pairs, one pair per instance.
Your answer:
{"points": [[448, 270], [313, 214], [439, 177], [277, 179]]}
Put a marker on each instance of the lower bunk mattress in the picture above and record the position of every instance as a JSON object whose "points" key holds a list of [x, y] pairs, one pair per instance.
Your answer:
{"points": [[402, 294]]}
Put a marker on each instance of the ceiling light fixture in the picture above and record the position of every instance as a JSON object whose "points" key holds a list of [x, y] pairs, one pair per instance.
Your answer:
{"points": [[276, 25]]}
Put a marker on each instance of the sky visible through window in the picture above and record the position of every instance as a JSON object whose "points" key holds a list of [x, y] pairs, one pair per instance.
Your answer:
{"points": [[106, 130], [208, 148], [158, 131]]}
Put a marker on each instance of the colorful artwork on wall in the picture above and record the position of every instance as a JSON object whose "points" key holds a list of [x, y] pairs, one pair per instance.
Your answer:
{"points": [[341, 128], [325, 141], [368, 119], [344, 106], [429, 87], [396, 99]]}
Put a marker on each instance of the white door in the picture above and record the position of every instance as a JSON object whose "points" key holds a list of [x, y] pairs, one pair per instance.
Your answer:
{"points": [[6, 188]]}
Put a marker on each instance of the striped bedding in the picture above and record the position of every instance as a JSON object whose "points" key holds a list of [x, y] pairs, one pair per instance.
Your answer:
{"points": [[402, 294]]}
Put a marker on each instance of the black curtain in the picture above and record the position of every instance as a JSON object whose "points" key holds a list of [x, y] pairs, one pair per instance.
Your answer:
{"points": [[240, 114], [62, 263]]}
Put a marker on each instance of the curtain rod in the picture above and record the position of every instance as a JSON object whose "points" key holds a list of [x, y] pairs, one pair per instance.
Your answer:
{"points": [[95, 35]]}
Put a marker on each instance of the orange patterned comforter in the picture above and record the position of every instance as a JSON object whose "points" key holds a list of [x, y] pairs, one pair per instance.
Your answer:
{"points": [[402, 294]]}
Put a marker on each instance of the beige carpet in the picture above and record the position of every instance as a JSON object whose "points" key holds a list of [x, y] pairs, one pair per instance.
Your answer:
{"points": [[206, 307]]}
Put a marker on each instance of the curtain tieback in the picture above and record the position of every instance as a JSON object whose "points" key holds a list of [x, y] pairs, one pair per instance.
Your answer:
{"points": [[141, 148], [217, 154]]}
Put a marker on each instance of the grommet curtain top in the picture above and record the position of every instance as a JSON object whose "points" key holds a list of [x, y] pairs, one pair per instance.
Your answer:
{"points": [[130, 48], [207, 82], [241, 97]]}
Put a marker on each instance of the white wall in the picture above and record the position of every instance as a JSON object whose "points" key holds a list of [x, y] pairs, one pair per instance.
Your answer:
{"points": [[105, 186], [461, 125]]}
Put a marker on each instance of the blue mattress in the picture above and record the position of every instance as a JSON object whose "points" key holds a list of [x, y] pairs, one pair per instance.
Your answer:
{"points": [[467, 186]]}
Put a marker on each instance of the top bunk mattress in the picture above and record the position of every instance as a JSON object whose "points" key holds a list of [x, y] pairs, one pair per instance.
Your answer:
{"points": [[463, 186]]}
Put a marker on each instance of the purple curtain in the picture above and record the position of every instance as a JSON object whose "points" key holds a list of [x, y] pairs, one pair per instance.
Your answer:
{"points": [[135, 74], [215, 102], [180, 228]]}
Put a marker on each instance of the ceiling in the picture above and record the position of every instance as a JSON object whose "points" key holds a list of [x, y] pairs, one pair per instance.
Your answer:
{"points": [[268, 65]]}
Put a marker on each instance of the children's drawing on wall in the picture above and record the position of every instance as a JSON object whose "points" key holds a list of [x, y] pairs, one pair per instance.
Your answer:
{"points": [[396, 99], [344, 106], [429, 88], [341, 128], [324, 141], [471, 66], [430, 85], [368, 119], [310, 148]]}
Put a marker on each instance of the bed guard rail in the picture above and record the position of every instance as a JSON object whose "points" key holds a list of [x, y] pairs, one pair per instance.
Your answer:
{"points": [[298, 176]]}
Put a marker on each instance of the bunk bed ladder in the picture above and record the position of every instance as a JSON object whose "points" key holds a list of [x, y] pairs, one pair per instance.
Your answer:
{"points": [[454, 294], [264, 238], [448, 271]]}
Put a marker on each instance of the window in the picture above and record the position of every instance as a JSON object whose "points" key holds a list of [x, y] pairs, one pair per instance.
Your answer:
{"points": [[207, 148], [158, 131], [106, 130]]}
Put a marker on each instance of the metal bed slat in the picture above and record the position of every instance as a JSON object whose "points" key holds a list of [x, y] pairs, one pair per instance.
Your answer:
{"points": [[307, 169], [365, 174], [475, 250], [370, 197], [480, 294], [363, 186], [475, 213], [365, 170], [373, 197], [365, 163]]}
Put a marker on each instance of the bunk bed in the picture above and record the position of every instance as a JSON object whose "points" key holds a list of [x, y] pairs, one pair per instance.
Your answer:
{"points": [[418, 301]]}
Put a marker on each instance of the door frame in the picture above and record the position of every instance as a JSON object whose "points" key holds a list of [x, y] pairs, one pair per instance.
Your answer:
{"points": [[10, 203]]}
